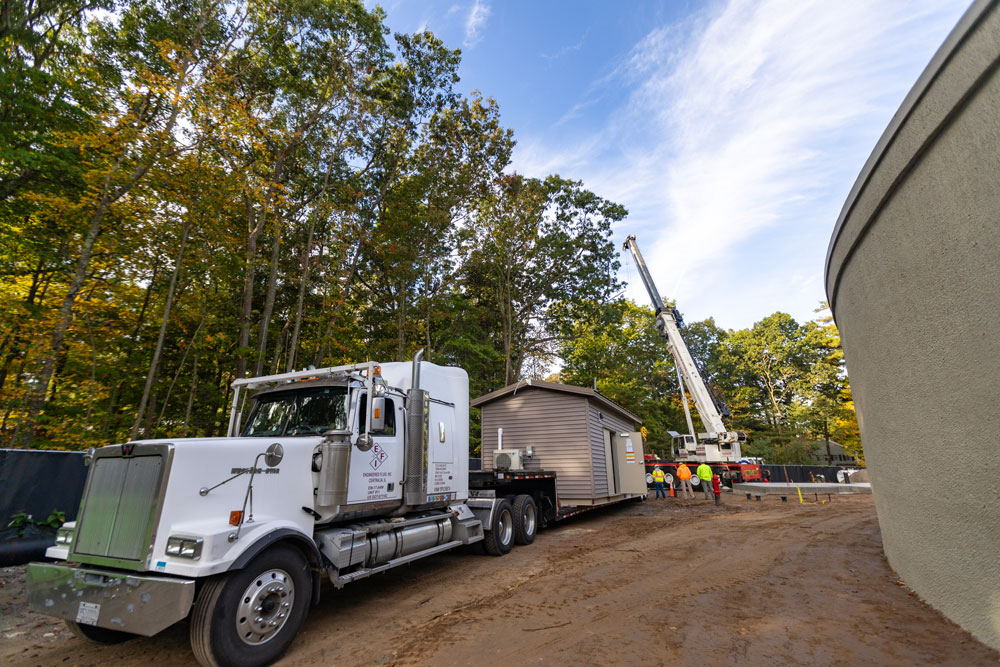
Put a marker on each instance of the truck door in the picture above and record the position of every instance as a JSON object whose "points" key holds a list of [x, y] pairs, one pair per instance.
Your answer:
{"points": [[376, 474]]}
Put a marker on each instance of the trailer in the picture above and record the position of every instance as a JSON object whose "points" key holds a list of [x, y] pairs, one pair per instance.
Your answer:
{"points": [[347, 472]]}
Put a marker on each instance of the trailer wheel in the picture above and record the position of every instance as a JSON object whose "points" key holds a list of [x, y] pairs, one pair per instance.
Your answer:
{"points": [[500, 537], [92, 633], [249, 617], [525, 519]]}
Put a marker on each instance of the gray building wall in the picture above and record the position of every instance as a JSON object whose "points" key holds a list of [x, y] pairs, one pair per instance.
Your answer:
{"points": [[554, 424], [913, 277]]}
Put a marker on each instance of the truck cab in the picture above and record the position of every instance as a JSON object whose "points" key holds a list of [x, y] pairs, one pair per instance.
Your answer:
{"points": [[345, 471]]}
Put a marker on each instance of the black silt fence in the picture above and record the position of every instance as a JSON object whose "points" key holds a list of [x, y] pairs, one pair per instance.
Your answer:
{"points": [[801, 474], [37, 483]]}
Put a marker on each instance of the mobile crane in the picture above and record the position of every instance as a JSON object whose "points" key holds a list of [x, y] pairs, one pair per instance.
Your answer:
{"points": [[717, 445]]}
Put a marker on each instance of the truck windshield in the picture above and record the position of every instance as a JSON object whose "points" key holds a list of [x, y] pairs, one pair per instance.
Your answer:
{"points": [[303, 412]]}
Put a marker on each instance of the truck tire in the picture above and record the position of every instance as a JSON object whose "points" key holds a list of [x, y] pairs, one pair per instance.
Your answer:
{"points": [[248, 617], [525, 519], [500, 537], [92, 633]]}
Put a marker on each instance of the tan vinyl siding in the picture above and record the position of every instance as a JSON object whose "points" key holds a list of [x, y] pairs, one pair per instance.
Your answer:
{"points": [[554, 424], [601, 419]]}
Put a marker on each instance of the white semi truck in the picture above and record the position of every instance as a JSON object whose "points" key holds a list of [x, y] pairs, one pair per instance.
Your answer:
{"points": [[344, 472]]}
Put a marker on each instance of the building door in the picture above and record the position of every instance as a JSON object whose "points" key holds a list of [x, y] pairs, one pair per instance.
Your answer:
{"points": [[609, 463]]}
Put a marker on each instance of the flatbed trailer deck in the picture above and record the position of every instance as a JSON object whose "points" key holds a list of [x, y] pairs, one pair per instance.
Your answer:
{"points": [[539, 484]]}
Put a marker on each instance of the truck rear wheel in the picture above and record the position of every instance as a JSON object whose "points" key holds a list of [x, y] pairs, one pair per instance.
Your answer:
{"points": [[525, 519], [500, 537], [249, 617], [93, 633]]}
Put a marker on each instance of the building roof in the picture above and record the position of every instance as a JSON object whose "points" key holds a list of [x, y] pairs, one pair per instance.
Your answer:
{"points": [[592, 394]]}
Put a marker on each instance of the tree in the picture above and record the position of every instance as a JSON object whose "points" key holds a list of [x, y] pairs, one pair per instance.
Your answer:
{"points": [[157, 57], [625, 357], [545, 248]]}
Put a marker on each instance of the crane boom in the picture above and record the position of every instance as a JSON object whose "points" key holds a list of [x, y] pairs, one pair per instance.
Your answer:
{"points": [[720, 444]]}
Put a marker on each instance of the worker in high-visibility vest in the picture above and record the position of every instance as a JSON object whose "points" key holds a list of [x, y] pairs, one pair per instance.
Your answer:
{"points": [[704, 473], [684, 474], [658, 478]]}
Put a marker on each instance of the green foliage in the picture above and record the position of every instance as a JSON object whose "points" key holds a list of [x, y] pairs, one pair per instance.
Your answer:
{"points": [[20, 521], [193, 191], [53, 520], [785, 383]]}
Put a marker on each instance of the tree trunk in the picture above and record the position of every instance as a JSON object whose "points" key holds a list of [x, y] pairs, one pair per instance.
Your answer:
{"points": [[18, 337], [223, 423], [293, 345], [190, 401], [110, 419], [254, 232], [272, 281], [401, 320], [155, 363], [24, 434], [93, 369], [177, 374]]}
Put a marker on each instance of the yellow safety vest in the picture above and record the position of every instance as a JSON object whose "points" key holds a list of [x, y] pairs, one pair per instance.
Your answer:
{"points": [[659, 476]]}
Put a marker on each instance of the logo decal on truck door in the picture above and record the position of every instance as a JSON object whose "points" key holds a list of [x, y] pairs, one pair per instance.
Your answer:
{"points": [[378, 457]]}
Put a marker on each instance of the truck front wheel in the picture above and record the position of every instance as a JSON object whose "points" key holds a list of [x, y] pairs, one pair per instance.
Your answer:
{"points": [[525, 519], [249, 617], [500, 537]]}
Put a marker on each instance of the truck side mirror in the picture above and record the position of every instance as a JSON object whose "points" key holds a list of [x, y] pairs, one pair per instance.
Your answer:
{"points": [[378, 414]]}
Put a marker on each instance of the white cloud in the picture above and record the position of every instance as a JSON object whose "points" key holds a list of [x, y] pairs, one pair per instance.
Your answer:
{"points": [[566, 50], [475, 22], [749, 120]]}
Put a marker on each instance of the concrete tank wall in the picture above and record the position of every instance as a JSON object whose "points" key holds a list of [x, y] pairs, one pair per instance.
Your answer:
{"points": [[913, 277]]}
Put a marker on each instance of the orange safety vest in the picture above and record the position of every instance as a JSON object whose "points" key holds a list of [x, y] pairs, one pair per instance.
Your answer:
{"points": [[683, 472]]}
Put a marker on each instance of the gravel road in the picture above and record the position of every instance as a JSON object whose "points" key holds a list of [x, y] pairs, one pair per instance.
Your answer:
{"points": [[659, 582]]}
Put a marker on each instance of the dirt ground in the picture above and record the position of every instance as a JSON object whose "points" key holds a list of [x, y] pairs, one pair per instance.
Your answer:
{"points": [[659, 582]]}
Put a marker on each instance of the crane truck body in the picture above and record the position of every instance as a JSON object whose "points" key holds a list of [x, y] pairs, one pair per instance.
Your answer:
{"points": [[344, 472], [717, 446]]}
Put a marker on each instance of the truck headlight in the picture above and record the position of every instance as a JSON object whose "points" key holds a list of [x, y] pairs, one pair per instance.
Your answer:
{"points": [[64, 536], [183, 546]]}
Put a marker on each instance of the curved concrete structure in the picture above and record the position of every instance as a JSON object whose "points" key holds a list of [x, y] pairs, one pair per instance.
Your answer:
{"points": [[913, 278]]}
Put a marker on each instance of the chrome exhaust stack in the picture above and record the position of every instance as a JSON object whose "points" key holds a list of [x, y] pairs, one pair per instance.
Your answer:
{"points": [[415, 460]]}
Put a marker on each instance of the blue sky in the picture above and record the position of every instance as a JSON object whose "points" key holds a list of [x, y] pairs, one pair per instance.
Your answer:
{"points": [[731, 130]]}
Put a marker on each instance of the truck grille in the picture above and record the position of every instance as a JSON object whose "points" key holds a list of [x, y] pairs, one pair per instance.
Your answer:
{"points": [[115, 515]]}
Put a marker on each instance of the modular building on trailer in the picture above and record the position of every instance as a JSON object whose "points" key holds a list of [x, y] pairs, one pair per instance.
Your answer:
{"points": [[591, 443]]}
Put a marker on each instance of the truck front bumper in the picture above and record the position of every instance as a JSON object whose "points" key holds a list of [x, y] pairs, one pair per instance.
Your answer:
{"points": [[113, 600]]}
